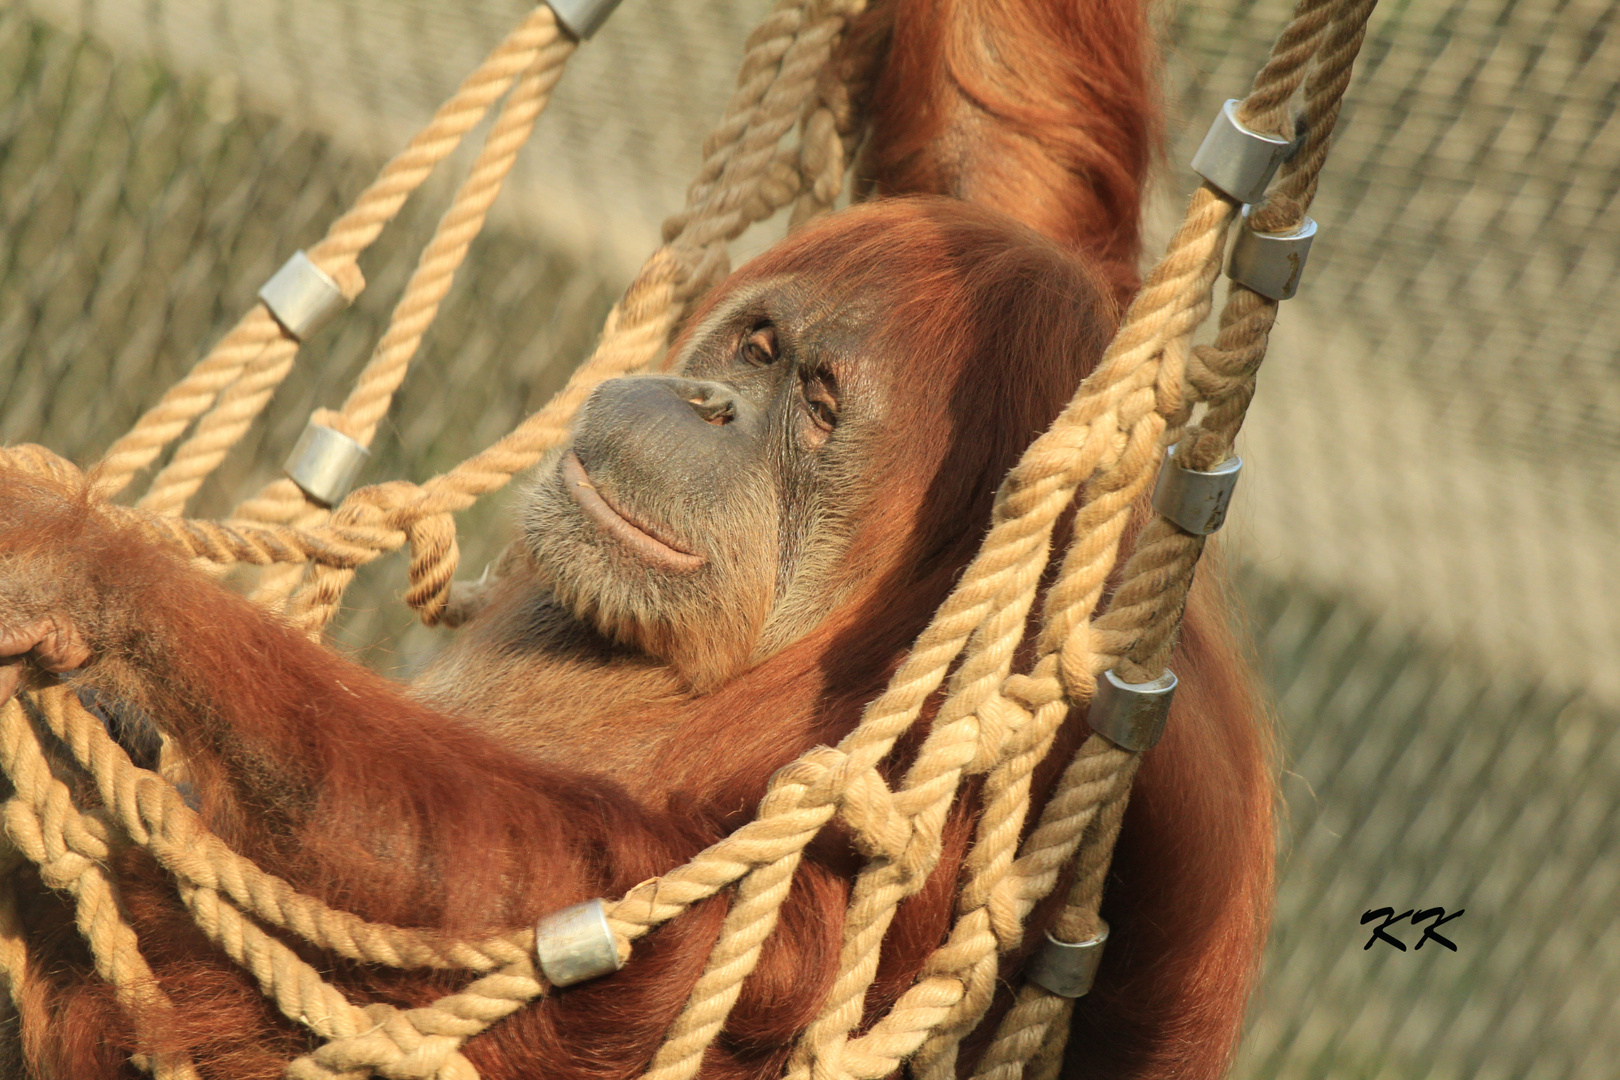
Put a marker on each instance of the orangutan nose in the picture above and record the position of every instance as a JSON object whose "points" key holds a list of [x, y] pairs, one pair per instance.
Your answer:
{"points": [[664, 433], [714, 404]]}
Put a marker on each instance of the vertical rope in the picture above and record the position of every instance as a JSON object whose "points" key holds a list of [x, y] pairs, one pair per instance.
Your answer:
{"points": [[1139, 629]]}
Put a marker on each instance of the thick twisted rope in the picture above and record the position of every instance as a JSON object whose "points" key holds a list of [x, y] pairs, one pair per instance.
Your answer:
{"points": [[153, 815], [1132, 616], [954, 742], [636, 333], [71, 848], [829, 133], [1139, 628], [220, 889], [1147, 607], [257, 352], [1092, 436], [744, 178], [282, 500], [1031, 1037]]}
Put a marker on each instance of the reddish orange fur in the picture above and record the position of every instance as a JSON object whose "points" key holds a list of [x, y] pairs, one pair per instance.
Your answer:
{"points": [[1044, 109], [331, 776]]}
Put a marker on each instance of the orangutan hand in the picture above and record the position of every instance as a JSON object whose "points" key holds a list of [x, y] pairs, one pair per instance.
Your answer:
{"points": [[53, 567]]}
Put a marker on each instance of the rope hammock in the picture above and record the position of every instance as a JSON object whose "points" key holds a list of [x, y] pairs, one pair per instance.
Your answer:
{"points": [[1103, 453]]}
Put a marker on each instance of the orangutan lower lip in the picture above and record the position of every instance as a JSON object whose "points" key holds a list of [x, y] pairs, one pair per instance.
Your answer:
{"points": [[618, 526]]}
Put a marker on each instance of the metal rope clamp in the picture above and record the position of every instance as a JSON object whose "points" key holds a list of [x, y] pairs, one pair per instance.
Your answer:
{"points": [[1131, 715], [1237, 159], [1270, 263], [576, 944], [1064, 968], [325, 462], [1197, 501], [302, 296], [582, 18]]}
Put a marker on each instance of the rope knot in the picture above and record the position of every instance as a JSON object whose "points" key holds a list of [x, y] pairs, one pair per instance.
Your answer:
{"points": [[867, 806], [1074, 665], [1030, 692], [434, 557], [378, 516], [819, 772], [395, 1047], [1000, 719], [31, 459]]}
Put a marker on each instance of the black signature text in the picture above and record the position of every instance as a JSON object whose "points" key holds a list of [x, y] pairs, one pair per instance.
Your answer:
{"points": [[1430, 932]]}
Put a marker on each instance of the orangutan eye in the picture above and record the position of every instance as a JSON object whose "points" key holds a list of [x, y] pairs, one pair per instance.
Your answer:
{"points": [[759, 347], [821, 401]]}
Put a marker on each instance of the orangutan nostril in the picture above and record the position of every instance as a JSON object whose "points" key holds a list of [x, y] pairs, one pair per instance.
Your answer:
{"points": [[713, 409]]}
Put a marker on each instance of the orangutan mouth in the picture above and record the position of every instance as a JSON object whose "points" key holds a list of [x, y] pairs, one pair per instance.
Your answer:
{"points": [[616, 525]]}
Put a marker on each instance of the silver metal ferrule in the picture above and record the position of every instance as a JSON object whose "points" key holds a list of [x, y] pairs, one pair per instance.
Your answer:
{"points": [[1270, 263], [302, 296], [325, 463], [1196, 501], [1067, 969], [582, 18], [576, 944], [1239, 161], [1131, 715]]}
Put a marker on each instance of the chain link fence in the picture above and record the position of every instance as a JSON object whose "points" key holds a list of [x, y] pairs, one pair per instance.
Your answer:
{"points": [[1425, 537]]}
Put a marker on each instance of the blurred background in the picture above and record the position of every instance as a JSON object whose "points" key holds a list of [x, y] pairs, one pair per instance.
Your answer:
{"points": [[1425, 540]]}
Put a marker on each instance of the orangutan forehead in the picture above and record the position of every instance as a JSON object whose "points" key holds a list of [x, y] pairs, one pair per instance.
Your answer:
{"points": [[796, 303]]}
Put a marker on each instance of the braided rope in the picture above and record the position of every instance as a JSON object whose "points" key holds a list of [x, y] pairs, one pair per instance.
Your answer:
{"points": [[1102, 451], [780, 81], [1091, 437]]}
